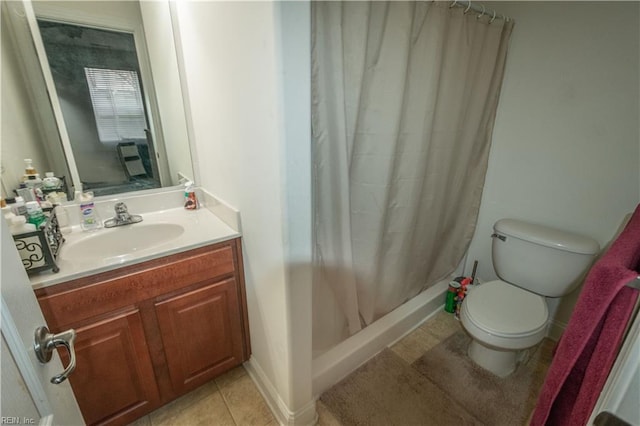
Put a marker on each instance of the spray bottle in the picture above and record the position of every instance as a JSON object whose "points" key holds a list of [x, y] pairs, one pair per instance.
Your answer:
{"points": [[190, 199]]}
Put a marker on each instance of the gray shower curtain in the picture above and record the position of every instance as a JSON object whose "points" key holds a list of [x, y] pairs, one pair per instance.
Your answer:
{"points": [[404, 97]]}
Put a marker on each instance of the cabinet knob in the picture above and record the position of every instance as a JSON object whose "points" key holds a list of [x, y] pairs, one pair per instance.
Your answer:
{"points": [[46, 342]]}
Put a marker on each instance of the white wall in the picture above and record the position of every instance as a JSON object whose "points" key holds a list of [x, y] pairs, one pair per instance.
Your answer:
{"points": [[162, 56], [241, 88], [566, 141]]}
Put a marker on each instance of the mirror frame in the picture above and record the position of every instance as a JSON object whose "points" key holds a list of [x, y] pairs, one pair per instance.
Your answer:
{"points": [[167, 54]]}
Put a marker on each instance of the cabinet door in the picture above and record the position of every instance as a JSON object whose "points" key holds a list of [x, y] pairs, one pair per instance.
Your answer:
{"points": [[113, 381], [202, 333]]}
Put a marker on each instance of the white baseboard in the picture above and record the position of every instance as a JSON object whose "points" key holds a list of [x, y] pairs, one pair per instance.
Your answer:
{"points": [[555, 329], [306, 416]]}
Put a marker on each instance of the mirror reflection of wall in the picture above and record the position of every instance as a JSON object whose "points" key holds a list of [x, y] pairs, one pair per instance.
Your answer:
{"points": [[29, 127], [98, 82], [24, 134]]}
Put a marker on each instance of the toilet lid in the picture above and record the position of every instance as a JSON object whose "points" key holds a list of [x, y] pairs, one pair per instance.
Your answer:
{"points": [[504, 309]]}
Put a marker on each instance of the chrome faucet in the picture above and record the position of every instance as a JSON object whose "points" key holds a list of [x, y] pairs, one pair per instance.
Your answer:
{"points": [[122, 217]]}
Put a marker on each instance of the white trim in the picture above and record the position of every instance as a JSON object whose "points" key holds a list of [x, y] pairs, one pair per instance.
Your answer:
{"points": [[224, 211], [624, 379], [24, 364], [46, 421], [555, 329], [307, 415]]}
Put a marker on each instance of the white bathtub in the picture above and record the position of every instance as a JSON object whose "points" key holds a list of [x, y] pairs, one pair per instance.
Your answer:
{"points": [[336, 363]]}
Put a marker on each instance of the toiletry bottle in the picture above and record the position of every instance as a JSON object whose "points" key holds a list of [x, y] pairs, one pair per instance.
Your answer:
{"points": [[190, 199], [56, 197], [63, 219], [19, 225], [10, 202], [88, 217], [33, 181], [19, 208], [50, 181], [35, 213], [8, 217]]}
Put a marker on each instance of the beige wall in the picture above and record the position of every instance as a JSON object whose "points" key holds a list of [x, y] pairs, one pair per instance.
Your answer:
{"points": [[20, 137], [566, 141]]}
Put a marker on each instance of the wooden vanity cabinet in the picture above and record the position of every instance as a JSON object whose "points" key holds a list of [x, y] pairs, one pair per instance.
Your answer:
{"points": [[148, 333]]}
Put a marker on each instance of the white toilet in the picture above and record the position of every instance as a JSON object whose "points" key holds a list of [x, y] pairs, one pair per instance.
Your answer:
{"points": [[506, 317]]}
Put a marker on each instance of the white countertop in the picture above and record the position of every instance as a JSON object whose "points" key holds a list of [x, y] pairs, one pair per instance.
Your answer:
{"points": [[201, 227]]}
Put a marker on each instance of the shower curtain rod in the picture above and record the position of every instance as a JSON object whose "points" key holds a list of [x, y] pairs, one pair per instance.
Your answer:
{"points": [[479, 8]]}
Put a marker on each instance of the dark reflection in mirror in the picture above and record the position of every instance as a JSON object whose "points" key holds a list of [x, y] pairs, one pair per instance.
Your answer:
{"points": [[97, 79]]}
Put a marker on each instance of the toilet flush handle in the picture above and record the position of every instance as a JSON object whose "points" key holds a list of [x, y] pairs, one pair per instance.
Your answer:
{"points": [[498, 236]]}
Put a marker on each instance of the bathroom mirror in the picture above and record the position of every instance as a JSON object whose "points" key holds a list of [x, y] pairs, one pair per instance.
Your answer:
{"points": [[104, 103]]}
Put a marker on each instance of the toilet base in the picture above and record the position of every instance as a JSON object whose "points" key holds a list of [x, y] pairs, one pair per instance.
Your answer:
{"points": [[499, 362]]}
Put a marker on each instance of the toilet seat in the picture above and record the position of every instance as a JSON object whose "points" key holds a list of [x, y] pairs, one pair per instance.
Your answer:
{"points": [[504, 316]]}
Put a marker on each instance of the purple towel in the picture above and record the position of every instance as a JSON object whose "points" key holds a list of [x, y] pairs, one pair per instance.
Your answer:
{"points": [[588, 348]]}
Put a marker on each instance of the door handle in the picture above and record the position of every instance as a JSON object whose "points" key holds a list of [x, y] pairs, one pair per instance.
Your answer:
{"points": [[46, 342]]}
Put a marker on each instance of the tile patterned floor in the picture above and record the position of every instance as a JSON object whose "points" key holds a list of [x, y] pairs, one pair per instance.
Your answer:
{"points": [[231, 399]]}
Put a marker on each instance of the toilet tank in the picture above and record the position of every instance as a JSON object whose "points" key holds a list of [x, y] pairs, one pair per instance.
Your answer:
{"points": [[543, 260]]}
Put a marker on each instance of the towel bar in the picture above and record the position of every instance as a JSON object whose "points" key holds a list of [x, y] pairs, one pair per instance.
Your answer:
{"points": [[635, 283]]}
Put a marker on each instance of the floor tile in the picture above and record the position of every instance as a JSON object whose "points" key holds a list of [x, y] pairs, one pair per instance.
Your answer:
{"points": [[230, 376], [210, 410], [182, 404], [325, 418], [414, 345], [142, 421], [245, 403], [441, 325]]}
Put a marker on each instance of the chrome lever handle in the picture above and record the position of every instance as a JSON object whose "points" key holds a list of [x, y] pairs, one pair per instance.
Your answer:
{"points": [[46, 342]]}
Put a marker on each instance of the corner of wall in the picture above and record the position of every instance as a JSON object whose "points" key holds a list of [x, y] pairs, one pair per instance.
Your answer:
{"points": [[304, 416]]}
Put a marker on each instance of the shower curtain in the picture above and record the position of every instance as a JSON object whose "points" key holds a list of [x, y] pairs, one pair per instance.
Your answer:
{"points": [[404, 97]]}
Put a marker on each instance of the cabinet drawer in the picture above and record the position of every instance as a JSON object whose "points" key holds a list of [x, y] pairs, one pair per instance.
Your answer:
{"points": [[98, 294]]}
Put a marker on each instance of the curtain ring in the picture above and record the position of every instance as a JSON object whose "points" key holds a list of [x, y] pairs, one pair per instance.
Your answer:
{"points": [[494, 17], [453, 4], [468, 7], [482, 14]]}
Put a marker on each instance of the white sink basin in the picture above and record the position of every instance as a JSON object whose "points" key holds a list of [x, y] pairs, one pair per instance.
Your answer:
{"points": [[118, 242]]}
